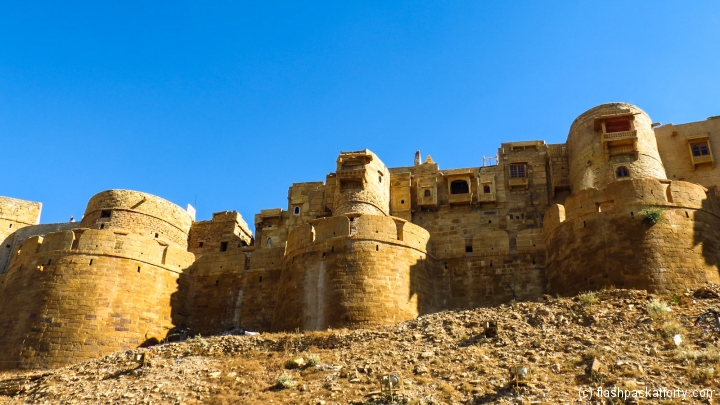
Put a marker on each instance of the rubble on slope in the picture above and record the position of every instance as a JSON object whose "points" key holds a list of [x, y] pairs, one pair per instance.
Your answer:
{"points": [[567, 347]]}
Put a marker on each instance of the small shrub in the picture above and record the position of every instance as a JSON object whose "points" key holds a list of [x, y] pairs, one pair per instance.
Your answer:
{"points": [[588, 298], [285, 380], [657, 309], [702, 374], [672, 328], [312, 360], [652, 216]]}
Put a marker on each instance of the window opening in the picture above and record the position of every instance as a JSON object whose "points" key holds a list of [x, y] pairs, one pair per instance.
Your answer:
{"points": [[517, 171], [700, 149], [402, 201], [617, 126], [459, 187], [426, 194], [91, 260], [268, 243], [138, 269], [156, 235], [260, 279], [468, 249], [622, 171], [223, 246], [486, 189], [102, 226], [201, 244], [296, 210], [105, 214]]}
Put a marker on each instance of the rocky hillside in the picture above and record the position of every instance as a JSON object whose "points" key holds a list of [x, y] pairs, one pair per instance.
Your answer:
{"points": [[575, 350]]}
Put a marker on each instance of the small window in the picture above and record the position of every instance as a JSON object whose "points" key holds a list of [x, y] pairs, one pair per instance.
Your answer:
{"points": [[621, 125], [201, 244], [622, 171], [156, 235], [518, 171], [10, 226], [700, 149], [486, 189], [268, 242], [427, 194], [223, 246], [296, 210], [468, 249], [105, 213], [459, 187]]}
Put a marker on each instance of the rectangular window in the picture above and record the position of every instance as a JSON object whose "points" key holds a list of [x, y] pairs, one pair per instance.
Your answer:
{"points": [[700, 149], [105, 214], [517, 171], [223, 246], [617, 126]]}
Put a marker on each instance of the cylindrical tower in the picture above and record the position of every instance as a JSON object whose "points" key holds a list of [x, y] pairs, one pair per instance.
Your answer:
{"points": [[363, 184], [612, 142], [139, 213]]}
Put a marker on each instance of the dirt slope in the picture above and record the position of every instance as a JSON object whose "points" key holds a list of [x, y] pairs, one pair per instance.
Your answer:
{"points": [[617, 339]]}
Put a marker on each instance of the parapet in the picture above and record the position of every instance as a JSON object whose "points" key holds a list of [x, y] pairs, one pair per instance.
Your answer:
{"points": [[112, 243], [139, 213]]}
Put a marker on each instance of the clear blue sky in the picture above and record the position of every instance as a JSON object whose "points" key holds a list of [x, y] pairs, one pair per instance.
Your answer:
{"points": [[233, 102]]}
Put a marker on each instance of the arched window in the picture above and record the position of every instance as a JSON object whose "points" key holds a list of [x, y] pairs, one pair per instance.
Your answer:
{"points": [[622, 171], [427, 193], [268, 243], [486, 189], [296, 210], [459, 187]]}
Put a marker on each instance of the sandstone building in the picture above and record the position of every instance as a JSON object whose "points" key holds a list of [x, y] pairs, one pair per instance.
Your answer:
{"points": [[624, 202]]}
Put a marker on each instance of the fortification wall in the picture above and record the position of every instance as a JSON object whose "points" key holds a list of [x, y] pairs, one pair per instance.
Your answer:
{"points": [[139, 213], [599, 238], [86, 293], [226, 230], [260, 295], [363, 270], [362, 184], [594, 159], [14, 214], [16, 239]]}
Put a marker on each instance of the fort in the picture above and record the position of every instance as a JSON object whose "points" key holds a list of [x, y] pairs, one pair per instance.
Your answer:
{"points": [[625, 202]]}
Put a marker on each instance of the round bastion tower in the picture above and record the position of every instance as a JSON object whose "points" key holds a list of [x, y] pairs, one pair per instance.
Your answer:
{"points": [[108, 285], [612, 142], [602, 237], [363, 184], [358, 267]]}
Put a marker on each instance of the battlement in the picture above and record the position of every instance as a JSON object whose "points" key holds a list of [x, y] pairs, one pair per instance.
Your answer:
{"points": [[356, 226], [110, 243]]}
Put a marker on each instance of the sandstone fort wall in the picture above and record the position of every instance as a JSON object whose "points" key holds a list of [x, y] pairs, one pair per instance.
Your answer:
{"points": [[14, 214]]}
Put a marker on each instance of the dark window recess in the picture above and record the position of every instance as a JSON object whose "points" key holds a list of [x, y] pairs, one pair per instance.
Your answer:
{"points": [[427, 193], [459, 187], [201, 244], [402, 201], [468, 249], [700, 149], [622, 171], [617, 126], [91, 260], [156, 235], [10, 226], [377, 248], [260, 279], [243, 243], [296, 211], [102, 226], [217, 282], [7, 246], [49, 261], [105, 213], [518, 171], [138, 269], [486, 189], [223, 246]]}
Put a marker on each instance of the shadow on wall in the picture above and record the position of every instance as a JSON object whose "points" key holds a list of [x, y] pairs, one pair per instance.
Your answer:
{"points": [[707, 231]]}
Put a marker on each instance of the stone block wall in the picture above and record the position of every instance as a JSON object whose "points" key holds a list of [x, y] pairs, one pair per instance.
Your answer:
{"points": [[86, 293], [672, 141], [603, 240], [354, 271], [14, 214], [138, 213]]}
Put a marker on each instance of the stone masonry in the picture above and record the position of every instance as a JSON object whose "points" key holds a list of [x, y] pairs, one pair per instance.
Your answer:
{"points": [[625, 203]]}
